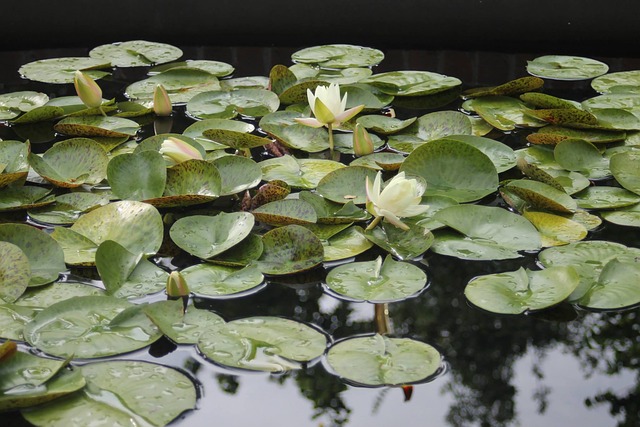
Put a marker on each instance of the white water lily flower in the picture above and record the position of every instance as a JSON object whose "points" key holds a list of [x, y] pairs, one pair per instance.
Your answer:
{"points": [[400, 199], [176, 151], [327, 107]]}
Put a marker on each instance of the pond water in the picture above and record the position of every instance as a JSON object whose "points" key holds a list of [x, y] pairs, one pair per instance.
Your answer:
{"points": [[564, 366]]}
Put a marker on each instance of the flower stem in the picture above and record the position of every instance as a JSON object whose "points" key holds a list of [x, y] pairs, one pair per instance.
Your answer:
{"points": [[375, 222], [330, 127]]}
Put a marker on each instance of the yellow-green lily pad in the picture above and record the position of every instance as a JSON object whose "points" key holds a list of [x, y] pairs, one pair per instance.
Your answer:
{"points": [[15, 272], [624, 167], [97, 126], [228, 104], [298, 173], [212, 281], [61, 70], [339, 56], [135, 53], [554, 229], [562, 67], [412, 83], [217, 68], [290, 249], [181, 84]]}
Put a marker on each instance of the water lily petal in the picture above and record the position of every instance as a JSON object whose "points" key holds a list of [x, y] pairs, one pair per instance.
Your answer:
{"points": [[323, 113], [390, 217], [348, 114], [309, 121]]}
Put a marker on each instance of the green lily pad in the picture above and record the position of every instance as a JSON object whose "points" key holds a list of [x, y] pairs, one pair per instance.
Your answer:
{"points": [[334, 56], [44, 296], [45, 256], [608, 82], [234, 139], [342, 76], [196, 131], [242, 254], [237, 174], [345, 244], [298, 173], [376, 281], [616, 287], [136, 53], [346, 184], [61, 70], [97, 126], [484, 233], [624, 167], [15, 272], [441, 124], [14, 198], [13, 155], [561, 67], [605, 197], [13, 318], [328, 212], [72, 163], [137, 176], [125, 274], [629, 216], [15, 103], [615, 118], [270, 344], [181, 84], [581, 156], [90, 327], [554, 229], [502, 112], [380, 161], [282, 126], [189, 183], [540, 195], [245, 82], [625, 101], [211, 281], [30, 380], [400, 243], [68, 207], [501, 155], [290, 249], [227, 105], [377, 360], [181, 327], [156, 397], [412, 83], [135, 225], [513, 87], [370, 96], [154, 143], [523, 290], [384, 124], [453, 169], [217, 68], [588, 258], [285, 212], [208, 236], [594, 136]]}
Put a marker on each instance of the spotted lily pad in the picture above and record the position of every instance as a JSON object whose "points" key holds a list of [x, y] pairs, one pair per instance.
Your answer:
{"points": [[135, 225], [290, 249], [484, 233], [13, 198], [137, 176], [211, 281], [502, 112], [189, 183], [228, 104], [217, 68], [523, 290], [285, 212], [453, 169], [560, 67], [412, 83], [270, 344], [540, 195], [90, 327], [13, 162], [45, 257], [513, 87], [237, 174], [377, 360], [328, 212], [68, 207], [624, 167], [196, 131], [346, 184], [15, 272], [377, 281], [61, 70], [234, 139], [136, 53], [181, 84], [72, 163], [125, 274], [338, 56], [208, 236], [298, 173], [594, 136], [555, 229], [97, 126], [156, 397]]}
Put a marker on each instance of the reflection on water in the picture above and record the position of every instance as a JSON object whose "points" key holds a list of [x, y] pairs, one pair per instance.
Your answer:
{"points": [[561, 367]]}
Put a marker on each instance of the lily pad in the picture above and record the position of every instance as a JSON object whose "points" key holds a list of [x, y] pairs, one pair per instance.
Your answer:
{"points": [[285, 212], [15, 272], [137, 176], [346, 184], [61, 70], [217, 68], [608, 82], [234, 139], [513, 87], [290, 249], [581, 156], [178, 326], [377, 281], [629, 216], [228, 104], [334, 56], [270, 344], [412, 83], [72, 163], [13, 157], [125, 274], [380, 161], [502, 112], [181, 84], [298, 173], [189, 183], [594, 136], [15, 103], [97, 126], [208, 236], [624, 167], [560, 67], [616, 287], [282, 126], [501, 155], [384, 124], [329, 212], [196, 131], [453, 169], [212, 281], [13, 319], [237, 174], [377, 360], [156, 397], [487, 233], [605, 197], [345, 244], [68, 207], [400, 243], [540, 195], [44, 296], [555, 229], [46, 259], [521, 291], [90, 327], [14, 198], [136, 53], [242, 254]]}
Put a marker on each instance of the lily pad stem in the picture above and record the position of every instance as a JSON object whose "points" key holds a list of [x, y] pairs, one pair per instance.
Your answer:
{"points": [[330, 127], [375, 222]]}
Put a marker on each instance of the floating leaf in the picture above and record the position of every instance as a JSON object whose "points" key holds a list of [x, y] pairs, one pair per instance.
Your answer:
{"points": [[282, 126], [521, 291], [554, 229], [345, 244], [609, 82], [137, 176], [290, 249], [380, 161], [237, 174], [217, 68], [227, 105], [502, 112], [181, 327], [616, 287], [560, 67], [604, 197], [13, 318], [501, 155], [338, 56], [384, 124], [270, 344], [629, 216], [211, 281], [412, 83], [15, 272], [624, 167], [540, 195], [513, 87], [346, 184], [285, 212], [181, 84], [581, 156], [377, 360], [400, 243], [96, 126], [564, 116], [136, 53], [594, 136], [61, 70], [44, 296], [234, 139], [196, 131], [188, 183], [298, 173], [68, 207], [27, 197]]}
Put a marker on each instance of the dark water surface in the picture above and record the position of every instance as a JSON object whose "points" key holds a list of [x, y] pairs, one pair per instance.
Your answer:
{"points": [[562, 367]]}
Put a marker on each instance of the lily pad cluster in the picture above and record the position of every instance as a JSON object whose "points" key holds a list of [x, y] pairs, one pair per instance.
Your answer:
{"points": [[250, 196]]}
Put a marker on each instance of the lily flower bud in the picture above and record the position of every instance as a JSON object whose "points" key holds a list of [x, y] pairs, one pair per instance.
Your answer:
{"points": [[177, 151], [362, 143], [87, 89], [176, 285], [161, 102]]}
